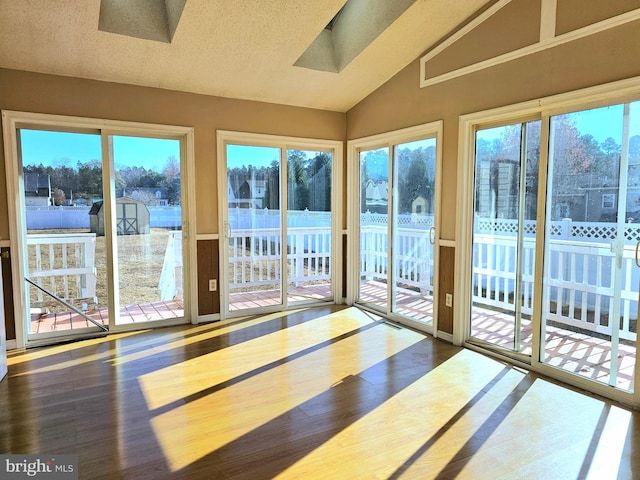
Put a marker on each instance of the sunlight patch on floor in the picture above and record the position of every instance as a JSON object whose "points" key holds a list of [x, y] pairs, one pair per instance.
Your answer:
{"points": [[380, 441], [198, 428], [211, 369]]}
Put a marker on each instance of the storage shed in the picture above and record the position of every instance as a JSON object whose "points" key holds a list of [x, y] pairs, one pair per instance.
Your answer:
{"points": [[132, 217]]}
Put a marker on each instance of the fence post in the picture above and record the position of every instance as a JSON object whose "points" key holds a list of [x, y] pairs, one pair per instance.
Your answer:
{"points": [[565, 224]]}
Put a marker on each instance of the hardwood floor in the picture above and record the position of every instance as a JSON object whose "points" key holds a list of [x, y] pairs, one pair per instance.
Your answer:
{"points": [[323, 393]]}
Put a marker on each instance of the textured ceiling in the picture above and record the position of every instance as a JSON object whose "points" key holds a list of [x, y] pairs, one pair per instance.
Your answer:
{"points": [[229, 48]]}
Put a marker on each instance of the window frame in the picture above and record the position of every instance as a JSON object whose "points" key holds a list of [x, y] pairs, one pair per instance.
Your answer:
{"points": [[12, 121], [284, 143], [624, 91]]}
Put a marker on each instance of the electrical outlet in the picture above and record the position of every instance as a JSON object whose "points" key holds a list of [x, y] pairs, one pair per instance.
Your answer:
{"points": [[213, 285], [448, 300]]}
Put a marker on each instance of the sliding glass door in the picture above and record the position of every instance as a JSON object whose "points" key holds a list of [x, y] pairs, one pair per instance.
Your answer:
{"points": [[554, 245], [592, 265], [397, 223], [65, 277], [274, 257], [413, 229], [504, 231], [374, 228], [148, 212], [253, 227], [309, 221], [97, 223]]}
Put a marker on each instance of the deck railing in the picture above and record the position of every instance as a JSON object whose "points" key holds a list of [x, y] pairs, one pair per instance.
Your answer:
{"points": [[579, 281], [63, 264], [579, 278], [415, 265], [579, 274], [255, 256]]}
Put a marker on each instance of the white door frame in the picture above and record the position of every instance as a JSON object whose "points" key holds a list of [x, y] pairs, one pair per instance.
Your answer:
{"points": [[13, 120], [390, 140], [284, 143], [602, 95]]}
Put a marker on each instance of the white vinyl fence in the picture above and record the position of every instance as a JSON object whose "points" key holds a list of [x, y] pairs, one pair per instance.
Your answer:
{"points": [[255, 256], [67, 218]]}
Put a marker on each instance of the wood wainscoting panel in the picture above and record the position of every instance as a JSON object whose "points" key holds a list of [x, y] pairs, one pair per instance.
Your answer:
{"points": [[446, 271], [344, 265], [208, 268], [9, 319]]}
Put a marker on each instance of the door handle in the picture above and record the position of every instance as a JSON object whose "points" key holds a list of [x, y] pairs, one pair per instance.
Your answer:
{"points": [[227, 230], [637, 248], [432, 235]]}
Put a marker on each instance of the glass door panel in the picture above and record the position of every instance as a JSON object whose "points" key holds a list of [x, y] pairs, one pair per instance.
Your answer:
{"points": [[66, 274], [308, 226], [504, 235], [374, 227], [414, 232], [254, 227], [591, 275], [148, 211]]}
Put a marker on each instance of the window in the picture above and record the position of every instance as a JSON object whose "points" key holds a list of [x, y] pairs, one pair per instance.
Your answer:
{"points": [[70, 265], [586, 154], [280, 221], [608, 200]]}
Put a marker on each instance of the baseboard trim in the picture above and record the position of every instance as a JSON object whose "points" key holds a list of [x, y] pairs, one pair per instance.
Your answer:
{"points": [[214, 317]]}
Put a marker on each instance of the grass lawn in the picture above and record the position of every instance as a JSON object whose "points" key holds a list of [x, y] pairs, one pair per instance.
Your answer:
{"points": [[140, 260]]}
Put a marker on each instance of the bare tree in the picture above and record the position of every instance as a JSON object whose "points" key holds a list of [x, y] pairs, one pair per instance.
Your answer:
{"points": [[58, 197]]}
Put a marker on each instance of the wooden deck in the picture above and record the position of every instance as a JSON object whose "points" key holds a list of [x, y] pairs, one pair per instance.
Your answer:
{"points": [[147, 312], [268, 298], [577, 352]]}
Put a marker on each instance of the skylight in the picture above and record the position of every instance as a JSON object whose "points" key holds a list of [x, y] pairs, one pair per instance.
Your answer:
{"points": [[349, 32], [147, 19], [333, 21]]}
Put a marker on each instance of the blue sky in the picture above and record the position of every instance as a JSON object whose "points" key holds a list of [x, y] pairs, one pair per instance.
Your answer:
{"points": [[601, 123], [60, 148], [239, 155]]}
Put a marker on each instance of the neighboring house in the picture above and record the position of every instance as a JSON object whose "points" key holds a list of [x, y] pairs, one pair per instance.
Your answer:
{"points": [[377, 196], [231, 195], [258, 190], [419, 205], [497, 188], [157, 197], [251, 193], [37, 189], [234, 201]]}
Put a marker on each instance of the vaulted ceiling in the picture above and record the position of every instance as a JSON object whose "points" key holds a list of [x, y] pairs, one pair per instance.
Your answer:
{"points": [[232, 48]]}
